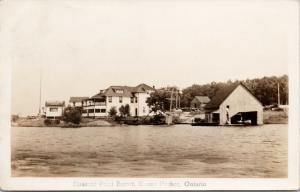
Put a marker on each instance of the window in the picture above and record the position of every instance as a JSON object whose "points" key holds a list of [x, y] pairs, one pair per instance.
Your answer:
{"points": [[110, 99], [136, 99], [120, 91], [91, 110], [103, 110], [144, 109], [120, 99], [97, 110], [132, 99], [53, 109], [84, 111]]}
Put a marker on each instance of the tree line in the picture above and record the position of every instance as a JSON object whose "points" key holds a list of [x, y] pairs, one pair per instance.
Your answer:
{"points": [[264, 89]]}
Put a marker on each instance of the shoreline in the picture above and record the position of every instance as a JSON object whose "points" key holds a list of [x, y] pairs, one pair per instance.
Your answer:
{"points": [[270, 117], [125, 125]]}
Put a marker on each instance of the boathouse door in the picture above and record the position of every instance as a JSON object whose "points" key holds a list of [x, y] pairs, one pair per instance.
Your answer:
{"points": [[245, 117]]}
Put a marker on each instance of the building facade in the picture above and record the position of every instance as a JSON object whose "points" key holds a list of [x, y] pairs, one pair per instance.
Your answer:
{"points": [[234, 104], [54, 109], [199, 102], [77, 101], [116, 96]]}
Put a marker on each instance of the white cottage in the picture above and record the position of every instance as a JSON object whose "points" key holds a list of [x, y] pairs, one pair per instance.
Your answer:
{"points": [[54, 109], [199, 102], [234, 104]]}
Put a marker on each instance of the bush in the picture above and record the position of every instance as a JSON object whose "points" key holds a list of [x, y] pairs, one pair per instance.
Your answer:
{"points": [[127, 110], [56, 121], [50, 122], [72, 115], [119, 119], [124, 110], [47, 122], [158, 119], [14, 118], [112, 112]]}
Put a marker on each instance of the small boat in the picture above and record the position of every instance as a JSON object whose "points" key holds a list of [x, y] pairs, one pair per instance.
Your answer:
{"points": [[204, 124]]}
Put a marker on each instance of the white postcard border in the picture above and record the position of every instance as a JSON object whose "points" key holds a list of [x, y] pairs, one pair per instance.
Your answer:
{"points": [[13, 183]]}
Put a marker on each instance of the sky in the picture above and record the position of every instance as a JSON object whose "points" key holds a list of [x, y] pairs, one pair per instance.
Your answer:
{"points": [[80, 47]]}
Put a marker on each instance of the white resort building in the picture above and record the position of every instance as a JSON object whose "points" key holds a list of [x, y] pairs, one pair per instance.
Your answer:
{"points": [[114, 97]]}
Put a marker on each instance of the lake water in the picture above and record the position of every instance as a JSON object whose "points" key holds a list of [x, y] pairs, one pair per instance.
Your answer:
{"points": [[151, 151]]}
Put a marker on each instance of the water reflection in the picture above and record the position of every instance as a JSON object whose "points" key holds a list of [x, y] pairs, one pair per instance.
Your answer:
{"points": [[151, 151]]}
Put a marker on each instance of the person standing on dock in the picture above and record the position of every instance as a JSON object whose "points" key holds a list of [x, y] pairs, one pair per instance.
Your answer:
{"points": [[227, 115]]}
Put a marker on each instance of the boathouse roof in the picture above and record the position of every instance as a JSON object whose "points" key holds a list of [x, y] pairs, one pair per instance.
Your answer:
{"points": [[222, 94]]}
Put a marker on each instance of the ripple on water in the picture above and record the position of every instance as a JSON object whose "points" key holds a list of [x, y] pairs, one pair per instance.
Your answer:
{"points": [[149, 151]]}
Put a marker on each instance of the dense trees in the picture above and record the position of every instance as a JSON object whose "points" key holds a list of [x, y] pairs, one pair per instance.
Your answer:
{"points": [[160, 99], [265, 89], [209, 90]]}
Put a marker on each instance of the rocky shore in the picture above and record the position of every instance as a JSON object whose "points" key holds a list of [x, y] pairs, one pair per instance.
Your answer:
{"points": [[276, 117], [39, 122]]}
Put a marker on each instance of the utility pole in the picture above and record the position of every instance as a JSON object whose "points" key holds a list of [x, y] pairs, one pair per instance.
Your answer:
{"points": [[176, 99], [171, 101], [278, 91], [179, 102]]}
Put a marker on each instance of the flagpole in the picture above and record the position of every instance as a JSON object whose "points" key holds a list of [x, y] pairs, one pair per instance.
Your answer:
{"points": [[40, 100]]}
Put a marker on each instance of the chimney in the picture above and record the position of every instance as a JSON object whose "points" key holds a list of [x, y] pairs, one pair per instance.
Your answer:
{"points": [[153, 86], [101, 91]]}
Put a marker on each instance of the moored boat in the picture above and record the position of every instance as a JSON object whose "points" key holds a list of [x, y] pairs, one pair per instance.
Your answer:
{"points": [[204, 124]]}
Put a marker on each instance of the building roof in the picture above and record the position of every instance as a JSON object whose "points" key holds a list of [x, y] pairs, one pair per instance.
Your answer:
{"points": [[141, 88], [201, 99], [221, 95], [98, 96], [55, 103], [77, 99], [123, 91], [118, 91]]}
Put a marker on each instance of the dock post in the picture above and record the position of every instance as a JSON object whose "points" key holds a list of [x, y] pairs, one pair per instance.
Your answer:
{"points": [[169, 119]]}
